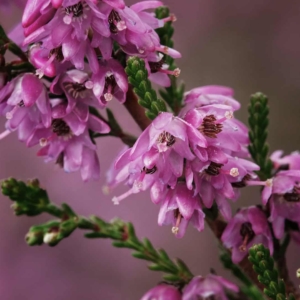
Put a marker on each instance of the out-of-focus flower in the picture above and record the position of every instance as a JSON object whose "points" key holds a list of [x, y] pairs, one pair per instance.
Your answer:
{"points": [[162, 292], [248, 227], [68, 142], [209, 287], [24, 101]]}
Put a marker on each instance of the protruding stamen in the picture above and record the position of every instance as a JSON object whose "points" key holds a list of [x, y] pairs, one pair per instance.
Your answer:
{"points": [[210, 127], [117, 200], [116, 24], [178, 217], [267, 183], [163, 49], [9, 115], [89, 84], [175, 72], [41, 71], [43, 142], [234, 172], [213, 169], [248, 234], [108, 97], [4, 134], [171, 18], [74, 12], [164, 141]]}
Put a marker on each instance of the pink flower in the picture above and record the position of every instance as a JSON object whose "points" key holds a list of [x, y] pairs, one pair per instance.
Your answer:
{"points": [[24, 101], [179, 207], [162, 292], [158, 154], [109, 82], [211, 286], [68, 140], [248, 227]]}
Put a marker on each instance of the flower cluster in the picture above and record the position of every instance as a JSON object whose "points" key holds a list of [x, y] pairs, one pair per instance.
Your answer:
{"points": [[190, 160], [209, 287], [77, 50]]}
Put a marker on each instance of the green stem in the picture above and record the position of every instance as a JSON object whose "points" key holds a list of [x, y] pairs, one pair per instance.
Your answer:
{"points": [[31, 200]]}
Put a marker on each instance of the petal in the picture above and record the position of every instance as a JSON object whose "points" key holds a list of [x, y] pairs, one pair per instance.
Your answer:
{"points": [[90, 168], [97, 125]]}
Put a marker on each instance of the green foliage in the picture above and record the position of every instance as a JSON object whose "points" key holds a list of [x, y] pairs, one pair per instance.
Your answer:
{"points": [[263, 265], [173, 95], [249, 289], [32, 200], [258, 122], [138, 78]]}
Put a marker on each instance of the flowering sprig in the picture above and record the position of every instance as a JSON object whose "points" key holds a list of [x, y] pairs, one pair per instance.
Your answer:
{"points": [[258, 122], [173, 94], [30, 199], [138, 78], [263, 265]]}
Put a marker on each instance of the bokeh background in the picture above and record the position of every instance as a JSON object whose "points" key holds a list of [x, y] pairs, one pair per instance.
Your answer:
{"points": [[250, 45]]}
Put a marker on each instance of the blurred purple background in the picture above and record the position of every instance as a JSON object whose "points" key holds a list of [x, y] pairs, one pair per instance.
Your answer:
{"points": [[248, 45]]}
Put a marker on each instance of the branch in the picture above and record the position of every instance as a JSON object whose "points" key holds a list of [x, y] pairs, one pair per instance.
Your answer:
{"points": [[263, 265], [31, 200]]}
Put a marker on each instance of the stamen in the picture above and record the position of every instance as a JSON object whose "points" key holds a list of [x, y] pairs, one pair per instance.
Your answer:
{"points": [[234, 172], [267, 183], [115, 22], [171, 18], [162, 49], [213, 169], [60, 127], [74, 13], [293, 196], [149, 171], [75, 89], [178, 217], [210, 127], [175, 72], [9, 115], [164, 141], [248, 234], [242, 183], [41, 71], [108, 97], [57, 53], [4, 134]]}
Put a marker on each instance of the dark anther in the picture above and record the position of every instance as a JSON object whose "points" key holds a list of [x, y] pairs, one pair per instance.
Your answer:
{"points": [[293, 196], [60, 127], [156, 66], [58, 54], [166, 137], [76, 10], [112, 18], [213, 169], [242, 183], [150, 171], [209, 127]]}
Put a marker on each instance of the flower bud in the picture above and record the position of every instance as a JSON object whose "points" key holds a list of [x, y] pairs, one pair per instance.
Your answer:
{"points": [[162, 292]]}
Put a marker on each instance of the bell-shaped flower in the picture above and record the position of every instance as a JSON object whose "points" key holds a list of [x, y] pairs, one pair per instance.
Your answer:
{"points": [[209, 287], [247, 228], [179, 207], [163, 292], [109, 82]]}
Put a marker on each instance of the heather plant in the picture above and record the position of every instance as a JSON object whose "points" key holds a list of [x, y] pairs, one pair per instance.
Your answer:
{"points": [[193, 156]]}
